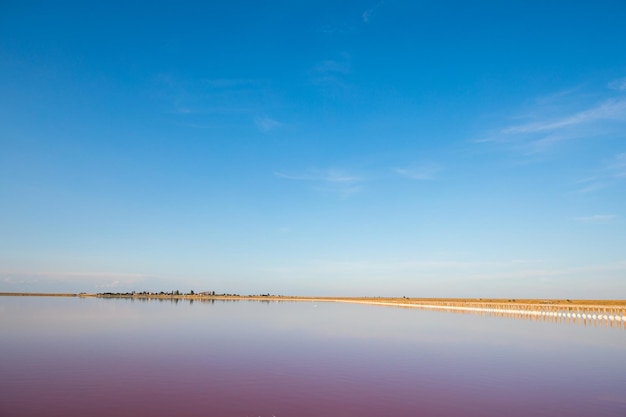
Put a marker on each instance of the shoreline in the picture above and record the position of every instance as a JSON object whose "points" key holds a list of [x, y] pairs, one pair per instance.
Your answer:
{"points": [[407, 301]]}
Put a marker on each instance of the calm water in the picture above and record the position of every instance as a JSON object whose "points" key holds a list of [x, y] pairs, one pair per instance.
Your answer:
{"points": [[96, 357]]}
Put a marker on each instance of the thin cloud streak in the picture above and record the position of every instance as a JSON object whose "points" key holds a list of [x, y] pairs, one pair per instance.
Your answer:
{"points": [[367, 15], [595, 186], [618, 166], [619, 84], [231, 82], [596, 218], [200, 100], [266, 124], [331, 175], [332, 66], [613, 172], [189, 110], [553, 120], [331, 72], [423, 172], [330, 181], [608, 110]]}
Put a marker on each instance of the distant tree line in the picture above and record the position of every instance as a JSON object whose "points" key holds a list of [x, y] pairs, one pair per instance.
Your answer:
{"points": [[172, 293]]}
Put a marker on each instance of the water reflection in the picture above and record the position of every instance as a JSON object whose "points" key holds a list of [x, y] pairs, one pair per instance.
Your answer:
{"points": [[596, 316], [103, 357]]}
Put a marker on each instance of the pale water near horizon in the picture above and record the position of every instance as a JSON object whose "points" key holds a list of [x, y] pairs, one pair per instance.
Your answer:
{"points": [[117, 357]]}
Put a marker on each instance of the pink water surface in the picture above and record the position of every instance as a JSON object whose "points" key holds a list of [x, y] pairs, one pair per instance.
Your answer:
{"points": [[96, 357]]}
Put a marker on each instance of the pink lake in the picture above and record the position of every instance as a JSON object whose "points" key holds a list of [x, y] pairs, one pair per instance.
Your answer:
{"points": [[115, 357]]}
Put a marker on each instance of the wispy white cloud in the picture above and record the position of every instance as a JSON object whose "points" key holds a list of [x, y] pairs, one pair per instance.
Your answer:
{"points": [[231, 82], [557, 97], [619, 84], [330, 175], [612, 172], [336, 28], [611, 109], [419, 172], [333, 66], [617, 167], [331, 180], [332, 72], [200, 100], [566, 115], [200, 125], [592, 186], [198, 110], [367, 14], [343, 191], [265, 124], [596, 218]]}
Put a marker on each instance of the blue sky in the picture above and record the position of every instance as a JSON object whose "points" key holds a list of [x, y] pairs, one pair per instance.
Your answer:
{"points": [[369, 148]]}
